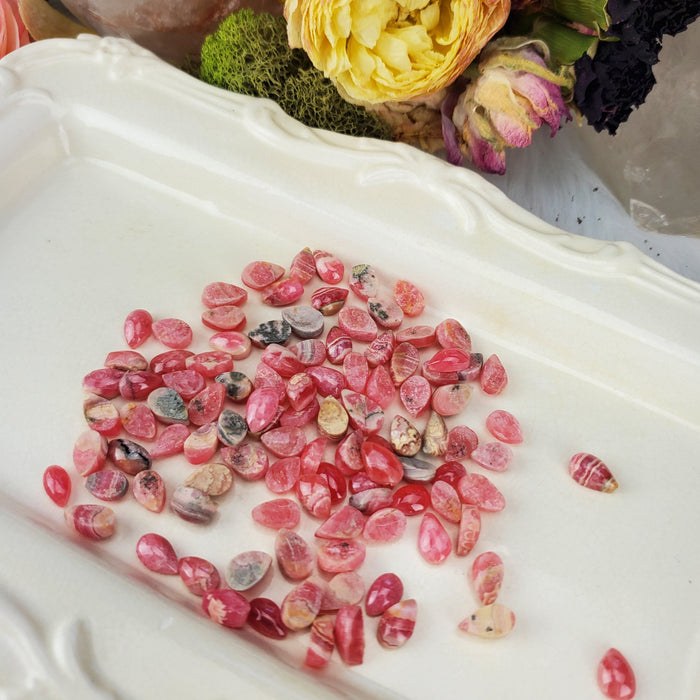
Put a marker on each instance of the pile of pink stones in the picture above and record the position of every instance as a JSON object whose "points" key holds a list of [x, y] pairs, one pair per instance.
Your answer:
{"points": [[307, 396]]}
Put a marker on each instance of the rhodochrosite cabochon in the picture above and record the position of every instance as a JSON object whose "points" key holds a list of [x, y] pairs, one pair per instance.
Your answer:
{"points": [[309, 396]]}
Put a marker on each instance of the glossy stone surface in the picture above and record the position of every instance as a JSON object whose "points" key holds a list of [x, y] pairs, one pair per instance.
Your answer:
{"points": [[157, 554], [186, 382], [210, 363], [305, 321], [92, 521], [590, 471], [356, 369], [248, 460], [411, 499], [107, 484], [332, 419], [435, 435], [476, 489], [89, 452], [434, 543], [329, 267], [615, 676], [386, 590], [321, 642], [405, 438], [504, 426], [261, 408], [137, 327], [265, 617], [344, 524], [314, 495], [385, 525], [172, 332], [289, 418], [238, 345], [226, 607], [269, 332], [397, 623], [490, 621], [238, 385], [294, 555], [310, 352], [364, 281], [213, 478], [222, 293], [206, 405], [231, 427], [335, 556], [201, 444], [259, 274], [57, 484], [334, 478], [420, 336], [126, 360], [461, 442], [301, 605], [380, 350], [364, 413], [329, 300], [469, 530], [199, 575], [448, 360], [415, 395], [102, 415], [103, 382], [129, 456], [170, 361], [445, 501], [338, 345], [277, 513], [168, 406], [385, 311], [224, 318], [193, 505], [171, 441], [283, 292], [312, 455], [138, 420], [493, 378], [451, 399], [303, 266], [381, 465], [404, 363], [282, 360], [451, 472], [285, 441], [450, 333], [409, 298], [487, 576], [247, 569], [380, 387], [418, 470], [370, 500], [496, 456], [283, 474], [345, 588], [350, 634], [357, 323]]}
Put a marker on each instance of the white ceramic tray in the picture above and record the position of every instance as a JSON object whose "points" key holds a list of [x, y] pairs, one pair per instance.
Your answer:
{"points": [[125, 183]]}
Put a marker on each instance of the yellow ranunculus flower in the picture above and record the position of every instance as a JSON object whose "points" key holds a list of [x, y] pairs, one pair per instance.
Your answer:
{"points": [[392, 50]]}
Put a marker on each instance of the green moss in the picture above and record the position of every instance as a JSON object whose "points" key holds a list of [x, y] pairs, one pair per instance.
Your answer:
{"points": [[249, 54]]}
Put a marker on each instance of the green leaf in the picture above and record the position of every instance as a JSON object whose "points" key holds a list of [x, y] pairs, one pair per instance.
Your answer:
{"points": [[590, 13], [566, 45]]}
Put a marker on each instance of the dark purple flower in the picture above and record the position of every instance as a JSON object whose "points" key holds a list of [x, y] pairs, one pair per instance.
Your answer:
{"points": [[619, 76]]}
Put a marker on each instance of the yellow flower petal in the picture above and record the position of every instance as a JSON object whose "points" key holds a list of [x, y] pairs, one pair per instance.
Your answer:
{"points": [[392, 50]]}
